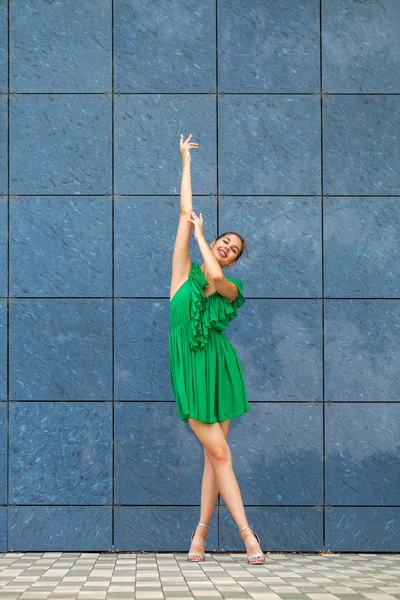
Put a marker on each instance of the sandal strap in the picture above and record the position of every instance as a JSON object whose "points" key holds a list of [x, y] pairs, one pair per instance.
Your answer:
{"points": [[203, 525], [258, 554], [245, 527]]}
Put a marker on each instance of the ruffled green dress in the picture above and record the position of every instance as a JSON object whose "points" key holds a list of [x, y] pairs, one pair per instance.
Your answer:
{"points": [[205, 372]]}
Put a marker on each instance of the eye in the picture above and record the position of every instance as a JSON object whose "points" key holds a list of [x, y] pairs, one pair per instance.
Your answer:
{"points": [[235, 251]]}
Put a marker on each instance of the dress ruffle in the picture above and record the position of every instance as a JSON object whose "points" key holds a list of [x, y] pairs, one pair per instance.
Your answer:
{"points": [[211, 312]]}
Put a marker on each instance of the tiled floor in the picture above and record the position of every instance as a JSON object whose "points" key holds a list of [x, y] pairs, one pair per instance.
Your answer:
{"points": [[69, 575]]}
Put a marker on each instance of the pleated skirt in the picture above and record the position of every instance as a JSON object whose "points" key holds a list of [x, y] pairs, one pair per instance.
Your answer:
{"points": [[208, 384]]}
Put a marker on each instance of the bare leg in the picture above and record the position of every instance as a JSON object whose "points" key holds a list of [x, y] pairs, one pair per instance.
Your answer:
{"points": [[209, 494], [219, 453]]}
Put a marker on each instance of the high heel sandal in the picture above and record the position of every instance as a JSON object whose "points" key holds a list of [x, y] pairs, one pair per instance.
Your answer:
{"points": [[257, 554], [203, 556]]}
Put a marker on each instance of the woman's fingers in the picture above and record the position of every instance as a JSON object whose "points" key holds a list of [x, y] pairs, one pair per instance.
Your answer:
{"points": [[187, 141]]}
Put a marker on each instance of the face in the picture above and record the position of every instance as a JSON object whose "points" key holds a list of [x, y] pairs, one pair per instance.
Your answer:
{"points": [[226, 249]]}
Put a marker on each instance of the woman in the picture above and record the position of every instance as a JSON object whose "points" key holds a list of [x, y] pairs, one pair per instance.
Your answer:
{"points": [[206, 375]]}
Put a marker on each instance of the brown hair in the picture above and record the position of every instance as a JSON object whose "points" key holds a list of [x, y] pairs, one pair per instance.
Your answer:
{"points": [[244, 243]]}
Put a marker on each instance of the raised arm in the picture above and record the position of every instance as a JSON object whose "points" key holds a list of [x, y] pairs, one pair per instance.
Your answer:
{"points": [[181, 261]]}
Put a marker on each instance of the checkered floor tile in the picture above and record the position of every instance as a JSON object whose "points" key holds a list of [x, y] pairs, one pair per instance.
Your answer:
{"points": [[120, 576]]}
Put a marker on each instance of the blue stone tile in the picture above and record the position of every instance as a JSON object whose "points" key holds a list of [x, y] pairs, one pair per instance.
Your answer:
{"points": [[362, 529], [3, 456], [361, 155], [269, 144], [3, 49], [268, 46], [3, 528], [60, 528], [362, 350], [284, 244], [279, 345], [360, 46], [3, 349], [145, 233], [159, 528], [3, 245], [60, 46], [60, 350], [280, 529], [60, 144], [141, 350], [164, 46], [277, 453], [60, 246], [158, 459], [60, 452], [3, 145], [147, 132], [362, 453], [361, 238]]}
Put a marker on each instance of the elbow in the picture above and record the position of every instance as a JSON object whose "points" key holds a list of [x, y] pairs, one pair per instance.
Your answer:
{"points": [[218, 278]]}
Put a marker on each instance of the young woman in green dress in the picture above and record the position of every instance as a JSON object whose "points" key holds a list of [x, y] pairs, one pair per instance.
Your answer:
{"points": [[206, 374]]}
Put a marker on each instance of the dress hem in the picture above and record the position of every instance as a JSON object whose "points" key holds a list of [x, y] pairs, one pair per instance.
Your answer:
{"points": [[210, 422]]}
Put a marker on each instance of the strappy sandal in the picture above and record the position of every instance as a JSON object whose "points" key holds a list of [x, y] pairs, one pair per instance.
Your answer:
{"points": [[202, 555], [257, 554]]}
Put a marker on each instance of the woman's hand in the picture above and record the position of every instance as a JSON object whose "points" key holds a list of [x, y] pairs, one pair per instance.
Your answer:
{"points": [[198, 225], [185, 147]]}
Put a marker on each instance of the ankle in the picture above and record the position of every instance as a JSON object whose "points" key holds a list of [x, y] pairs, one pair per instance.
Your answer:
{"points": [[201, 531], [246, 533]]}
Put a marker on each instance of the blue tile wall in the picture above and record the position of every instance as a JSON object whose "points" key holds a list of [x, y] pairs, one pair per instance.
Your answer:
{"points": [[295, 107]]}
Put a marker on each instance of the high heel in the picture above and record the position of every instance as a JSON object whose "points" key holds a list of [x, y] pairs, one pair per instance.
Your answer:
{"points": [[257, 554], [201, 554]]}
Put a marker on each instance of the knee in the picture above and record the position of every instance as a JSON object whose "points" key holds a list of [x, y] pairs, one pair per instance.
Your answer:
{"points": [[219, 454]]}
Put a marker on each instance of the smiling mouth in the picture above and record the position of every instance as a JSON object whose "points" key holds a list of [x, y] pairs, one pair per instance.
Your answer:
{"points": [[222, 253]]}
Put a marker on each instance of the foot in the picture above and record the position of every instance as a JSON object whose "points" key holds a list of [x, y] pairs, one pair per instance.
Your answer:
{"points": [[252, 546], [198, 542]]}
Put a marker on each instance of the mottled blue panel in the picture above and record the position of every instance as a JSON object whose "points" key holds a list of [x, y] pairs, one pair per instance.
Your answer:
{"points": [[145, 231], [60, 144], [159, 528], [141, 350], [360, 46], [3, 528], [360, 141], [277, 453], [60, 349], [3, 456], [3, 49], [284, 247], [268, 46], [3, 245], [60, 246], [60, 528], [60, 46], [269, 144], [147, 132], [280, 529], [158, 459], [164, 46], [362, 529], [361, 243], [362, 453], [279, 343], [362, 350], [3, 349], [3, 145], [60, 453]]}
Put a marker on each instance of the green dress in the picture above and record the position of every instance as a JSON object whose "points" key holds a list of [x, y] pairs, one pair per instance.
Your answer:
{"points": [[205, 372]]}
